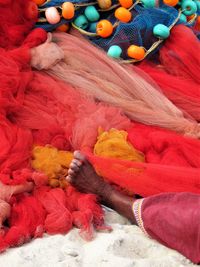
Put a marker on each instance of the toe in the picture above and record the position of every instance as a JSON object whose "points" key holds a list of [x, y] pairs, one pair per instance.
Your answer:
{"points": [[69, 178], [74, 167], [70, 172], [79, 156], [77, 162]]}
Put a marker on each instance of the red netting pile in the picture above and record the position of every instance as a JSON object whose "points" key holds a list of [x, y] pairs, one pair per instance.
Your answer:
{"points": [[177, 75]]}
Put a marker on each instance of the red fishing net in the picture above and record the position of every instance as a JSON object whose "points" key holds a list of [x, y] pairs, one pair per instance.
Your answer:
{"points": [[177, 75], [172, 163]]}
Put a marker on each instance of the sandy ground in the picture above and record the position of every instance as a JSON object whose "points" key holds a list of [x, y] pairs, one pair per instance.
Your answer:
{"points": [[125, 246]]}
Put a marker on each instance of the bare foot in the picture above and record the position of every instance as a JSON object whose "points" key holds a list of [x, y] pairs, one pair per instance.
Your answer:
{"points": [[83, 176], [46, 55]]}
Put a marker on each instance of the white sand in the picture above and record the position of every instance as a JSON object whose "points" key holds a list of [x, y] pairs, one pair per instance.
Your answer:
{"points": [[126, 246]]}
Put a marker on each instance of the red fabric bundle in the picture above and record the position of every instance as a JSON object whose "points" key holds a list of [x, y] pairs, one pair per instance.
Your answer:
{"points": [[172, 225]]}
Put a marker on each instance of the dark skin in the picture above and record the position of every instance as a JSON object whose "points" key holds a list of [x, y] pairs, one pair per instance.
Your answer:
{"points": [[83, 176]]}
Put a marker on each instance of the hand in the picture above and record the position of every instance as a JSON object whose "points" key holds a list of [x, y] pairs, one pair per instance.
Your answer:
{"points": [[46, 55]]}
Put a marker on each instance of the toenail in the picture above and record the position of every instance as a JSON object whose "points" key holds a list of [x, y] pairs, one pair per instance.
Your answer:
{"points": [[71, 165], [71, 171], [68, 178]]}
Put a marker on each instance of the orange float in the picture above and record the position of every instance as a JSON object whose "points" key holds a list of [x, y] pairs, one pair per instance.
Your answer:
{"points": [[104, 28], [126, 3], [171, 2], [68, 10], [63, 28], [136, 52], [123, 14], [104, 4]]}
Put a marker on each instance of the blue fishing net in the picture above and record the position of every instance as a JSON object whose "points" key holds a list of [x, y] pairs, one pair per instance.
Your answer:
{"points": [[59, 2], [139, 31]]}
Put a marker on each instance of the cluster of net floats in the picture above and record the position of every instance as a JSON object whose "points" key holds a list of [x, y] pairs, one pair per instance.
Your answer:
{"points": [[90, 19]]}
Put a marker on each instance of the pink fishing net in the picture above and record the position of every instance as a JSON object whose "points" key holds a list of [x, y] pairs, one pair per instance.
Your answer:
{"points": [[90, 71]]}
